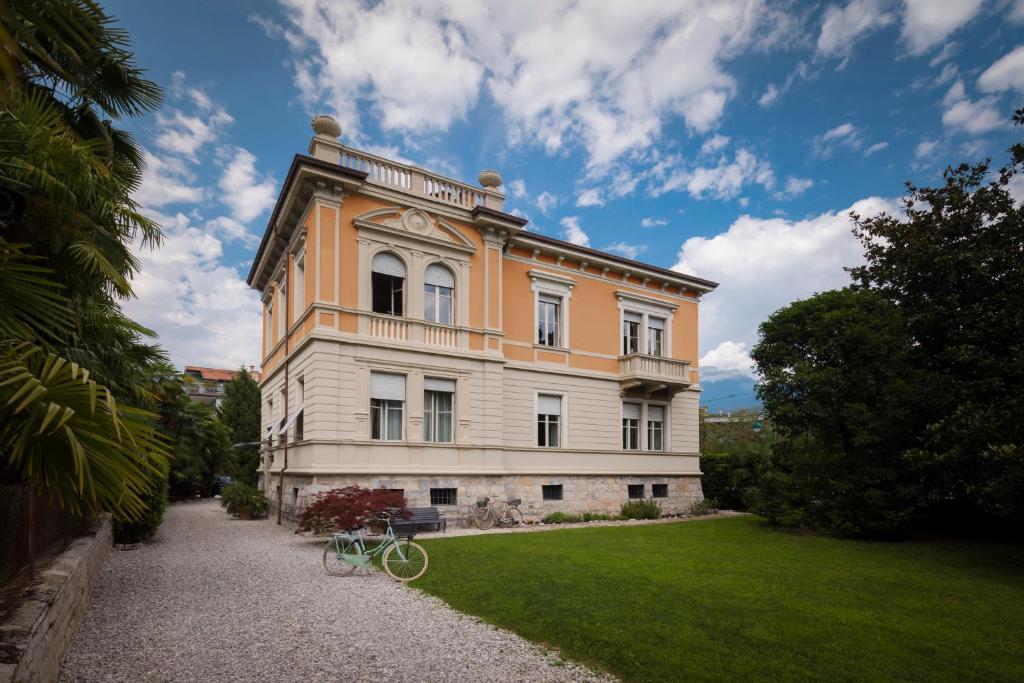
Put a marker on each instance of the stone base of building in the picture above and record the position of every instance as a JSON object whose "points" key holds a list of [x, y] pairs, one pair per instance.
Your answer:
{"points": [[580, 493]]}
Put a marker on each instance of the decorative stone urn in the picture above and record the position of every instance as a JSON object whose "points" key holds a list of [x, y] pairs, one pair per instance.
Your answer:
{"points": [[326, 126], [490, 179]]}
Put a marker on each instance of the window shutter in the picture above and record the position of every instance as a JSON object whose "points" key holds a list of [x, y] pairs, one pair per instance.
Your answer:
{"points": [[388, 264], [438, 384], [632, 317], [439, 276], [656, 323], [549, 405], [631, 411], [551, 299], [655, 413], [386, 386]]}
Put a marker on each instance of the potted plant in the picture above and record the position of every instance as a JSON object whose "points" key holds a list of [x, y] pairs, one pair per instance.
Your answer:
{"points": [[244, 501]]}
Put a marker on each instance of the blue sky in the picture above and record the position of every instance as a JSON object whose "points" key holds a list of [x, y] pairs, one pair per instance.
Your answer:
{"points": [[727, 139]]}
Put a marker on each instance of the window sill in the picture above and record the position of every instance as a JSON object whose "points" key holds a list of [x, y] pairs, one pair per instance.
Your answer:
{"points": [[545, 347]]}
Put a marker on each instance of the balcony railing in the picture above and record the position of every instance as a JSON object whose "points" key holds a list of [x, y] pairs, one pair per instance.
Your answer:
{"points": [[392, 328], [414, 180], [206, 389], [640, 369]]}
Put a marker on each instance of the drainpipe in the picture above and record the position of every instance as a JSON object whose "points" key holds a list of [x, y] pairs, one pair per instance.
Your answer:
{"points": [[287, 293]]}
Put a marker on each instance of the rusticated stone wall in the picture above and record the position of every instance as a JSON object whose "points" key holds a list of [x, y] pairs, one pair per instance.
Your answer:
{"points": [[603, 494]]}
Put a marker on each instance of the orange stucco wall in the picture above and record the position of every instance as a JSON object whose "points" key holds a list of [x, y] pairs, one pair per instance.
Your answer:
{"points": [[332, 245]]}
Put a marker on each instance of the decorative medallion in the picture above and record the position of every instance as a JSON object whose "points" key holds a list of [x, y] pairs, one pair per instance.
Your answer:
{"points": [[417, 221]]}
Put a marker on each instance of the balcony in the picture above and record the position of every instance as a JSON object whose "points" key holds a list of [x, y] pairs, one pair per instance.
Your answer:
{"points": [[412, 331], [653, 373]]}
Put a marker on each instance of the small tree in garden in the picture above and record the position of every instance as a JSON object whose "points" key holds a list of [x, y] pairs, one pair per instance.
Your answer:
{"points": [[344, 508]]}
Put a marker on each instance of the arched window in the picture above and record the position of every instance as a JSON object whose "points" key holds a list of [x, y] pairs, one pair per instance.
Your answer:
{"points": [[387, 279], [439, 286]]}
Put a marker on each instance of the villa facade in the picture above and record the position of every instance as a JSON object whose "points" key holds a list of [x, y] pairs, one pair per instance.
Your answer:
{"points": [[417, 337]]}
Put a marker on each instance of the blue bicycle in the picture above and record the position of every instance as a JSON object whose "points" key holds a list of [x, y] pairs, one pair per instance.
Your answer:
{"points": [[402, 559]]}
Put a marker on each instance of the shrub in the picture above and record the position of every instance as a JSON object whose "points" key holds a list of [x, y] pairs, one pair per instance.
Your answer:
{"points": [[641, 509], [155, 499], [345, 508], [244, 500], [732, 478], [562, 518], [706, 506], [598, 517]]}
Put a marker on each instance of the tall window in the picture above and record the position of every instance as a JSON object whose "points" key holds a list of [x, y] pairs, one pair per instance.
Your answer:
{"points": [[549, 414], [549, 310], [387, 280], [655, 428], [282, 322], [300, 395], [655, 336], [631, 426], [438, 399], [299, 286], [631, 332], [387, 406], [439, 285], [269, 327]]}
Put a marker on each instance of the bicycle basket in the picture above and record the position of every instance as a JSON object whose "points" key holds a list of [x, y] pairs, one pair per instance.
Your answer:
{"points": [[515, 501], [482, 501]]}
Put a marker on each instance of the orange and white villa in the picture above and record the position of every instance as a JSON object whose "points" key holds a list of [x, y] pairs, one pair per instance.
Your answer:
{"points": [[417, 337]]}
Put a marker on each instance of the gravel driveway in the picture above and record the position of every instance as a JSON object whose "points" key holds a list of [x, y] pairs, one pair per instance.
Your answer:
{"points": [[212, 598]]}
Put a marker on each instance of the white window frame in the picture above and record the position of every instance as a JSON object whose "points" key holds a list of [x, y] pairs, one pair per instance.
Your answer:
{"points": [[556, 286], [387, 407], [282, 322], [437, 295], [269, 327], [431, 416], [563, 418], [643, 441], [646, 308], [639, 425], [299, 295]]}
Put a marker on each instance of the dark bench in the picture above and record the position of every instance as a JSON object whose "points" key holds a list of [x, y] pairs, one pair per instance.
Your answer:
{"points": [[419, 519]]}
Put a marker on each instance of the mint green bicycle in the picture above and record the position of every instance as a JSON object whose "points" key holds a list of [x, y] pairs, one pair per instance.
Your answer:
{"points": [[402, 559]]}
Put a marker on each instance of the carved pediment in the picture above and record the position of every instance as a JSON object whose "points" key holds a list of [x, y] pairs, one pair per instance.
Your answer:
{"points": [[415, 222]]}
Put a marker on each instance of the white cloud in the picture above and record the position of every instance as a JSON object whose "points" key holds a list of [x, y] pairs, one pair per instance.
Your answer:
{"points": [[203, 310], [1006, 73], [843, 135], [713, 144], [927, 22], [1017, 12], [763, 264], [630, 251], [590, 197], [166, 180], [626, 70], [653, 222], [572, 232], [770, 96], [794, 187], [774, 92], [925, 148], [245, 191], [545, 201], [972, 116], [518, 188], [877, 147], [232, 230], [728, 359], [843, 27], [947, 51], [725, 180]]}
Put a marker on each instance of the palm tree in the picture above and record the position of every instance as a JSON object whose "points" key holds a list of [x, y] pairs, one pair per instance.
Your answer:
{"points": [[69, 359]]}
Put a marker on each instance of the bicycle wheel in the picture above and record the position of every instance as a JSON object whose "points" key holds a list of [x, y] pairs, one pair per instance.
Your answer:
{"points": [[512, 517], [483, 518], [334, 549], [407, 565]]}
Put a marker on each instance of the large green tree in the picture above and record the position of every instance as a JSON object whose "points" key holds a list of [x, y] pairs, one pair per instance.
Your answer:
{"points": [[73, 368], [900, 399], [240, 412]]}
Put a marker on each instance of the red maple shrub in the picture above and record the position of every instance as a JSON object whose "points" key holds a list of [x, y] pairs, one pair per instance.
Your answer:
{"points": [[344, 508]]}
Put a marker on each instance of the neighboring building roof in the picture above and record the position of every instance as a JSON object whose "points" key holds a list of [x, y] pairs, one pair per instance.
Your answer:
{"points": [[218, 374]]}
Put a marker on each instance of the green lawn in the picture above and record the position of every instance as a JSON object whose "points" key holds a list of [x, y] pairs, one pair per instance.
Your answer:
{"points": [[733, 599]]}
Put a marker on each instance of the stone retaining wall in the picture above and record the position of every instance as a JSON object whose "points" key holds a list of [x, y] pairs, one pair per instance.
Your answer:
{"points": [[603, 494], [35, 638]]}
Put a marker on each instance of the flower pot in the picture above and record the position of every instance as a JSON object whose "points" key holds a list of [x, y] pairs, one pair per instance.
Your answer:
{"points": [[244, 513]]}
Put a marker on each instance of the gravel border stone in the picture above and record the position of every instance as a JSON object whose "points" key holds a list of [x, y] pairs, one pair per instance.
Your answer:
{"points": [[212, 598]]}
